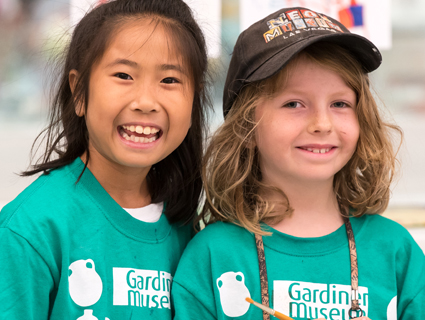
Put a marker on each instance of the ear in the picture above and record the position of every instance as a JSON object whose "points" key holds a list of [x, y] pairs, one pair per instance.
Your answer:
{"points": [[73, 78]]}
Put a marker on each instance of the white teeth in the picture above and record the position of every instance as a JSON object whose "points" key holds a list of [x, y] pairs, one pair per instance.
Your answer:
{"points": [[126, 136], [138, 139], [139, 130], [318, 150]]}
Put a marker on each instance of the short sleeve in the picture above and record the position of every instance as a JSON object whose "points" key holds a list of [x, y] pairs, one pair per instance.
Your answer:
{"points": [[411, 281], [26, 282], [415, 309], [192, 290]]}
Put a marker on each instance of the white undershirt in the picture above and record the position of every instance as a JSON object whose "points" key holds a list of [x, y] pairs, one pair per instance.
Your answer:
{"points": [[150, 213]]}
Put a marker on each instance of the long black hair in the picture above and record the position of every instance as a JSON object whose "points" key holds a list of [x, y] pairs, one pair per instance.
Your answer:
{"points": [[176, 179]]}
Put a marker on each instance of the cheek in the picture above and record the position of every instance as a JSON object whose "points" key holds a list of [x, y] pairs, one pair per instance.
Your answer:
{"points": [[96, 121], [184, 123], [277, 133], [262, 136], [181, 118], [350, 132], [261, 117], [354, 130], [348, 126]]}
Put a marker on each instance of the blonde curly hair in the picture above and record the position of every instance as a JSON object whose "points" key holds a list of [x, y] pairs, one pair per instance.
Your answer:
{"points": [[231, 170]]}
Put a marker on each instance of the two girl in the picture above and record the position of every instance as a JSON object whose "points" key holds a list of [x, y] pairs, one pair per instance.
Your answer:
{"points": [[295, 179], [99, 234]]}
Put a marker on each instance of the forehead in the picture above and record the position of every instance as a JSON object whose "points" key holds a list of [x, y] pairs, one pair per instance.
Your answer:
{"points": [[303, 68], [144, 36]]}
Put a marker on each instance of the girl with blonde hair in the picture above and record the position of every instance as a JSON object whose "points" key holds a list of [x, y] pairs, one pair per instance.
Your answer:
{"points": [[295, 179]]}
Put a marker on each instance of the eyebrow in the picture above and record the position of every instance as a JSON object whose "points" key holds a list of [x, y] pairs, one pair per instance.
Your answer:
{"points": [[126, 62], [176, 67], [133, 64]]}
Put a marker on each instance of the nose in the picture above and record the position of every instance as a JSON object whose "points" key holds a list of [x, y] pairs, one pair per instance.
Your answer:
{"points": [[320, 121], [145, 100]]}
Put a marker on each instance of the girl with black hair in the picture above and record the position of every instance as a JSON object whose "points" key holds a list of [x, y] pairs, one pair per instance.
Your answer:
{"points": [[100, 232]]}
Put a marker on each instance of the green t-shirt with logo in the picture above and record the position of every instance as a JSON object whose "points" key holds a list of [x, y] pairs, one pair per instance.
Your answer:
{"points": [[69, 251], [307, 277]]}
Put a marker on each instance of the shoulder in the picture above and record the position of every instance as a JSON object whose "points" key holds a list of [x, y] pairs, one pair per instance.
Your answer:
{"points": [[382, 228], [380, 222], [182, 234], [36, 221], [219, 245], [387, 236], [217, 239], [401, 256], [220, 233], [217, 228], [44, 199]]}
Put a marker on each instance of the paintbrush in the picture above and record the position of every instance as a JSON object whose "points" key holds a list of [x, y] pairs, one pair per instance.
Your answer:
{"points": [[275, 313]]}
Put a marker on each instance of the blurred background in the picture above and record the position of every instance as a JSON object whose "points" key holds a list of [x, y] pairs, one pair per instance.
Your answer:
{"points": [[33, 33]]}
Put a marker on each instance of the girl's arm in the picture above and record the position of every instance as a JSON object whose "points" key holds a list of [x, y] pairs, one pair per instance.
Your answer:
{"points": [[192, 293], [25, 280], [410, 271], [415, 309], [187, 306]]}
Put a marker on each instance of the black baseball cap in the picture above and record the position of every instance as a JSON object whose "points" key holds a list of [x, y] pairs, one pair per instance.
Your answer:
{"points": [[268, 45]]}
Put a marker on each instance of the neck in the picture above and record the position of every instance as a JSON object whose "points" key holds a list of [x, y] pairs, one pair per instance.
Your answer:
{"points": [[126, 185], [316, 212]]}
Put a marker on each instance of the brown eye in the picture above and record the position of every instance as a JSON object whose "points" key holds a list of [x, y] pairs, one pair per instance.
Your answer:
{"points": [[123, 76], [169, 80]]}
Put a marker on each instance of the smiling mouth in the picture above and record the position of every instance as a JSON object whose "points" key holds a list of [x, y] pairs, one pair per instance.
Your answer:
{"points": [[317, 150], [140, 134]]}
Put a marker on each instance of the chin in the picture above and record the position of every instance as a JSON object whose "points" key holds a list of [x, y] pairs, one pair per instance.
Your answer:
{"points": [[314, 178], [136, 163]]}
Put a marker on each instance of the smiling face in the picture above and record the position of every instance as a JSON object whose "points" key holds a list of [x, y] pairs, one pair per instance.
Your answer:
{"points": [[308, 130], [140, 98]]}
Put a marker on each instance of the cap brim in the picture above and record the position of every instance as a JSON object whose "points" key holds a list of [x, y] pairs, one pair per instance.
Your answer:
{"points": [[361, 48]]}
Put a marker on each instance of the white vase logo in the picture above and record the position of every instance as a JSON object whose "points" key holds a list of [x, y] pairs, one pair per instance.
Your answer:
{"points": [[88, 315], [233, 292], [85, 285], [392, 309]]}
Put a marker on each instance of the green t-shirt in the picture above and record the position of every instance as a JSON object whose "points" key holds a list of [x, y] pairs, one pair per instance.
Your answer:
{"points": [[308, 277], [69, 251]]}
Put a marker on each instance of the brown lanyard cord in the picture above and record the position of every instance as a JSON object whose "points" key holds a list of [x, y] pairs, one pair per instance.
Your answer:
{"points": [[355, 308], [354, 272], [263, 274]]}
